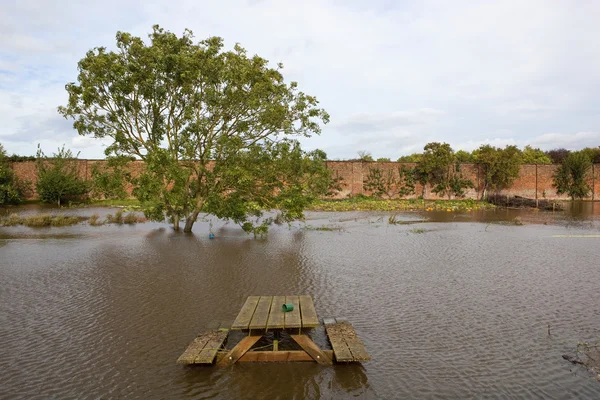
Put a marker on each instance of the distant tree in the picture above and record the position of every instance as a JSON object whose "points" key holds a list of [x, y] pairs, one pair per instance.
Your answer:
{"points": [[435, 168], [384, 159], [570, 177], [557, 155], [463, 156], [11, 189], [364, 156], [593, 154], [215, 128], [390, 184], [58, 177], [501, 166], [412, 158], [532, 155]]}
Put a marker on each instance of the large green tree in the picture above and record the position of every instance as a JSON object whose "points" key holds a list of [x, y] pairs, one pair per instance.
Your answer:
{"points": [[215, 128]]}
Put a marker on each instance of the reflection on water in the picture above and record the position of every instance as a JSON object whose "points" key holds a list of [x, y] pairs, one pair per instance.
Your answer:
{"points": [[450, 306]]}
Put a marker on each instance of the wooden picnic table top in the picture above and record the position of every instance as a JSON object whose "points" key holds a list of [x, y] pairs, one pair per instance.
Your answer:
{"points": [[265, 313]]}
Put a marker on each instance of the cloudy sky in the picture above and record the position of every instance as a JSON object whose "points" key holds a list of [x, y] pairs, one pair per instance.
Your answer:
{"points": [[394, 75]]}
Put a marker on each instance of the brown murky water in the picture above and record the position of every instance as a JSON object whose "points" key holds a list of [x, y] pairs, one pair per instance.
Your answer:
{"points": [[457, 307]]}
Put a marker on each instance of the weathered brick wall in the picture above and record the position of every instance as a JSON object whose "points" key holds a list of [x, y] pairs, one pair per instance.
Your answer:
{"points": [[533, 180]]}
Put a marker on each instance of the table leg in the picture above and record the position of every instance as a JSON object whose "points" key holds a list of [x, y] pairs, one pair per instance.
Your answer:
{"points": [[238, 351], [312, 349]]}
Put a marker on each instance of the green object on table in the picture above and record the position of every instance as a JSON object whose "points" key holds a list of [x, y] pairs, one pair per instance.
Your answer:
{"points": [[287, 307]]}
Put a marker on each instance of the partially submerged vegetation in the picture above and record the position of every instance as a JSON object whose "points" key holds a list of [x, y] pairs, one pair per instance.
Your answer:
{"points": [[41, 220], [364, 203], [46, 220]]}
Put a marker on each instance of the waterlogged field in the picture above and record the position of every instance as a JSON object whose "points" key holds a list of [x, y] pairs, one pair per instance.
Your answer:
{"points": [[460, 304]]}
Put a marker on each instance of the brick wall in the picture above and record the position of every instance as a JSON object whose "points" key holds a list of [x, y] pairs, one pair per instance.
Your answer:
{"points": [[534, 180]]}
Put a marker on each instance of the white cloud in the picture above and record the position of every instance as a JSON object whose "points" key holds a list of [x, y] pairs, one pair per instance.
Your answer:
{"points": [[572, 141]]}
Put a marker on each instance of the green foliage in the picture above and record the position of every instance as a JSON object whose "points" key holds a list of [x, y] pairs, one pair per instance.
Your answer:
{"points": [[390, 183], [58, 177], [529, 155], [593, 153], [570, 177], [435, 168], [464, 157], [501, 166], [11, 189], [108, 182], [413, 158], [214, 127], [384, 159], [365, 203]]}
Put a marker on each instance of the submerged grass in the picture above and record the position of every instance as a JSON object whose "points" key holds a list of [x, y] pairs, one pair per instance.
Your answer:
{"points": [[45, 220], [41, 220], [363, 203]]}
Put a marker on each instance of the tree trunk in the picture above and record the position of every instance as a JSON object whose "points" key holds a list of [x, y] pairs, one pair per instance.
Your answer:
{"points": [[189, 221], [175, 223]]}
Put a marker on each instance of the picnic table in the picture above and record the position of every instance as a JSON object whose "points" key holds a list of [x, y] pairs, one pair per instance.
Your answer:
{"points": [[262, 315]]}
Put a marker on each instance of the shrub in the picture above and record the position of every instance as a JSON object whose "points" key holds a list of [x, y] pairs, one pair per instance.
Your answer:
{"points": [[570, 176], [58, 178], [11, 189]]}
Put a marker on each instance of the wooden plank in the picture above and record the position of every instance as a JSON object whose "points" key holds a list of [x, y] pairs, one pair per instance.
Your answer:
{"points": [[340, 348], [308, 312], [346, 344], [208, 353], [261, 314], [245, 316], [276, 356], [192, 351], [238, 351], [292, 318], [312, 349], [276, 315], [357, 348]]}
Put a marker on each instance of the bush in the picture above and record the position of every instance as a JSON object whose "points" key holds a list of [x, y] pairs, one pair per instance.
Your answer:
{"points": [[11, 189], [570, 177], [58, 179]]}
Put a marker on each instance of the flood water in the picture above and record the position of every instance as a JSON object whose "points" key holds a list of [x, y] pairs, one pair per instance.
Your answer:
{"points": [[448, 305]]}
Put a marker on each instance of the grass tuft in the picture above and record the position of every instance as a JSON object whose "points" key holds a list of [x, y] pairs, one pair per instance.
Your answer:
{"points": [[115, 219], [95, 220]]}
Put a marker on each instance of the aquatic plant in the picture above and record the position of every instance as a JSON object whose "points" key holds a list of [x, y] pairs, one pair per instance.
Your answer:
{"points": [[130, 219], [115, 219], [95, 220]]}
